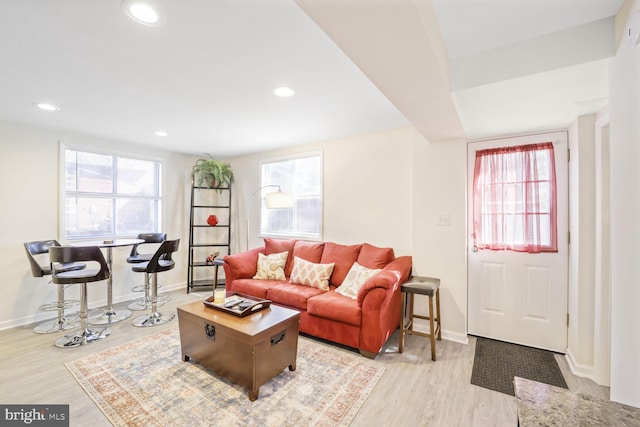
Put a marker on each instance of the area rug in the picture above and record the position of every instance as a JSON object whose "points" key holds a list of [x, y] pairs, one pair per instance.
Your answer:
{"points": [[145, 383], [496, 363]]}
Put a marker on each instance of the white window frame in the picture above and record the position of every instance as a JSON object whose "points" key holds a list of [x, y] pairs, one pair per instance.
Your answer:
{"points": [[118, 154], [293, 234]]}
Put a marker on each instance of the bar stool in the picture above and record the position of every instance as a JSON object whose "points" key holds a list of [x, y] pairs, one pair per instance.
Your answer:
{"points": [[136, 257], [66, 254], [38, 269], [430, 287], [161, 261]]}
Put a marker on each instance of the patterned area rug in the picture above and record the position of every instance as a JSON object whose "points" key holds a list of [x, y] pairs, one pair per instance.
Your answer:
{"points": [[145, 383], [496, 363]]}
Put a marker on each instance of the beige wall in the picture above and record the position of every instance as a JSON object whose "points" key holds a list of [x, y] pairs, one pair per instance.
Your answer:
{"points": [[29, 172]]}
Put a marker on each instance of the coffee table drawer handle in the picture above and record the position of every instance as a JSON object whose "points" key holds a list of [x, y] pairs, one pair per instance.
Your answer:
{"points": [[278, 338], [210, 330]]}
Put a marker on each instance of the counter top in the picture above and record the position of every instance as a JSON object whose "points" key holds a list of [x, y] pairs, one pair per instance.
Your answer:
{"points": [[545, 405]]}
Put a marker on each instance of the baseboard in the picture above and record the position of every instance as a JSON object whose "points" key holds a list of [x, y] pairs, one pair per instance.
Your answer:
{"points": [[583, 371], [460, 338], [42, 316]]}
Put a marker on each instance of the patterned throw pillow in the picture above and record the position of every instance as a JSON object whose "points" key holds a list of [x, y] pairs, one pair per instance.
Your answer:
{"points": [[271, 267], [356, 277], [311, 274]]}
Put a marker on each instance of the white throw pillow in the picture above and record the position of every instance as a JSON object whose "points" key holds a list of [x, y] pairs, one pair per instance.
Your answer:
{"points": [[271, 267], [356, 277], [311, 274]]}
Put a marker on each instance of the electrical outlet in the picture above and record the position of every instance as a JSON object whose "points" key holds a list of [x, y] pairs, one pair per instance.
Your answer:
{"points": [[443, 220]]}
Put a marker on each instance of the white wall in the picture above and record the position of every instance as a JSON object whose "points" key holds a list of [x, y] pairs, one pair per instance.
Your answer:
{"points": [[29, 172], [625, 214], [580, 350], [386, 188], [366, 189], [439, 188]]}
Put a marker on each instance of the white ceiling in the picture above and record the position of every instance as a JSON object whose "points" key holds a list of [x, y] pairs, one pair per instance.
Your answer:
{"points": [[206, 75]]}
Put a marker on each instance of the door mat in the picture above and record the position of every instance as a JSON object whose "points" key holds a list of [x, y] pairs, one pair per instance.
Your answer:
{"points": [[496, 363], [145, 383]]}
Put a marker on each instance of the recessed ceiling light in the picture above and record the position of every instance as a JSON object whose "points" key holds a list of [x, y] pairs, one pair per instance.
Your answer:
{"points": [[47, 107], [284, 92], [143, 11], [160, 133]]}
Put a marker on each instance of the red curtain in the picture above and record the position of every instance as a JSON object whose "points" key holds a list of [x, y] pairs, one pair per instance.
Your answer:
{"points": [[514, 192]]}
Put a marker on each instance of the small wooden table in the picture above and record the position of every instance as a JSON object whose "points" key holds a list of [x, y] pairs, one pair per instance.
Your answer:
{"points": [[110, 315], [248, 351]]}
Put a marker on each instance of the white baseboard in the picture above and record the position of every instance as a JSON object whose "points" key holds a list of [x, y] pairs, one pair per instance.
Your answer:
{"points": [[423, 326], [42, 316], [583, 371]]}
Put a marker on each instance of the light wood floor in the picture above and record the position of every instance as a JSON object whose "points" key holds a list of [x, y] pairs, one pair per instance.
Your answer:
{"points": [[414, 391]]}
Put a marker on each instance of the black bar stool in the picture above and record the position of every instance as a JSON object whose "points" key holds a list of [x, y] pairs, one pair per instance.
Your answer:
{"points": [[40, 249], [161, 261], [68, 254], [137, 257], [430, 287]]}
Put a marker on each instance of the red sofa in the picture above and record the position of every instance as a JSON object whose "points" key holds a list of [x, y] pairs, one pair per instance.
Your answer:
{"points": [[365, 322]]}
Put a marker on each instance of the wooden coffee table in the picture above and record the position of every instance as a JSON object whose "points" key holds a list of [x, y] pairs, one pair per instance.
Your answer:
{"points": [[248, 351]]}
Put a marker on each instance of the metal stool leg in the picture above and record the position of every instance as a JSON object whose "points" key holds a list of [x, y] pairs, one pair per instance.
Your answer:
{"points": [[144, 303], [155, 318], [60, 323], [84, 335]]}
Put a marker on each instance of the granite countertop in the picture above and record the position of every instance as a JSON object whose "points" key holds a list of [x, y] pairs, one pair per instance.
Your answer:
{"points": [[545, 405]]}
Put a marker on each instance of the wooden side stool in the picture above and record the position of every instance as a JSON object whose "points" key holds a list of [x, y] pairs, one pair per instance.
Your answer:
{"points": [[430, 287]]}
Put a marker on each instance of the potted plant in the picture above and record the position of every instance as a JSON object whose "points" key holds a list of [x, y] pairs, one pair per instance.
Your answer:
{"points": [[212, 173]]}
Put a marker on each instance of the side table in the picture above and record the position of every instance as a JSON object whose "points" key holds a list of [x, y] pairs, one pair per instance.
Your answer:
{"points": [[417, 285]]}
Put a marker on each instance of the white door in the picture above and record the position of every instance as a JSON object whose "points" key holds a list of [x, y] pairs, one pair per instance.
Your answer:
{"points": [[514, 296]]}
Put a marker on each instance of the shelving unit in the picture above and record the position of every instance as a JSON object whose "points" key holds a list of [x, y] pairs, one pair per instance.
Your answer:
{"points": [[205, 239]]}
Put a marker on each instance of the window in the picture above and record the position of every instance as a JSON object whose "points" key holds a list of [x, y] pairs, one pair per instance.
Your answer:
{"points": [[109, 196], [302, 176], [515, 199]]}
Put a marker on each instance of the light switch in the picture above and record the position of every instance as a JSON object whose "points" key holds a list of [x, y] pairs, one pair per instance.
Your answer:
{"points": [[444, 220]]}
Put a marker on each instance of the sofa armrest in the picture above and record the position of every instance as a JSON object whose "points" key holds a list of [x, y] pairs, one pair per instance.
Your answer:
{"points": [[390, 278], [242, 265], [379, 299]]}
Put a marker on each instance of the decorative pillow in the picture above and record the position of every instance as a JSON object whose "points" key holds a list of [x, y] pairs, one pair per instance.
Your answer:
{"points": [[356, 277], [275, 246], [311, 274], [271, 267], [344, 256]]}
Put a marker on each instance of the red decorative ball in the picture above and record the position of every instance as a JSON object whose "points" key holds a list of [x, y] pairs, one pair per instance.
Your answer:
{"points": [[212, 220]]}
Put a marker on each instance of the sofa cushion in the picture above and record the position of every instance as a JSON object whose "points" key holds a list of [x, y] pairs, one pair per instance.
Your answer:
{"points": [[292, 295], [271, 267], [374, 257], [311, 274], [244, 264], [274, 246], [344, 256], [356, 277], [256, 288], [334, 306], [310, 251]]}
